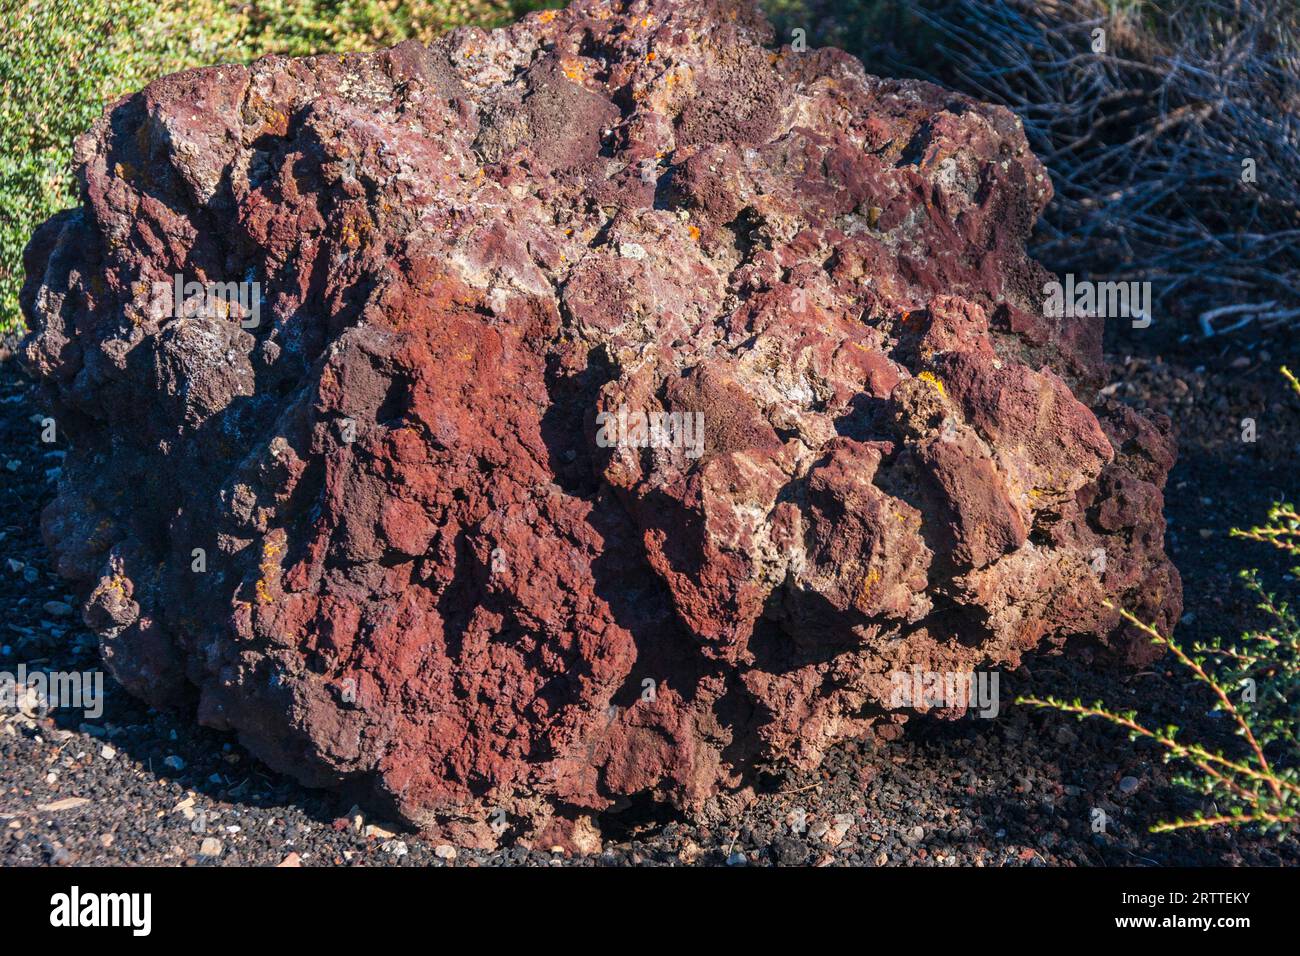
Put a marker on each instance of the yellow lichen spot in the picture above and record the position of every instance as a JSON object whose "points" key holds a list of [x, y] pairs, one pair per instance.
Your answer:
{"points": [[272, 545], [464, 356], [116, 585], [933, 380], [573, 70], [863, 598], [547, 16], [357, 227], [868, 582]]}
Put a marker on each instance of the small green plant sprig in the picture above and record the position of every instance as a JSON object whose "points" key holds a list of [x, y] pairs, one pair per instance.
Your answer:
{"points": [[1282, 529], [1256, 683], [1252, 788]]}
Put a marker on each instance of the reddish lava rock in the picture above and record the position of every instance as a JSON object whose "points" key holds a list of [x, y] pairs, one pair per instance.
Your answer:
{"points": [[401, 534]]}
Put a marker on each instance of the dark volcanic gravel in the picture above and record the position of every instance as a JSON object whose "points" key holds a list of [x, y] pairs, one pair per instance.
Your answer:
{"points": [[140, 787]]}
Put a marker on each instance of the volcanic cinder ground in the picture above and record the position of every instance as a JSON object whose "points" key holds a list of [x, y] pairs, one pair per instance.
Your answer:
{"points": [[399, 524]]}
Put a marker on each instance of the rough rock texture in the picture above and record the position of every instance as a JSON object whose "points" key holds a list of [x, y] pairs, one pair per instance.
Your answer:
{"points": [[423, 576]]}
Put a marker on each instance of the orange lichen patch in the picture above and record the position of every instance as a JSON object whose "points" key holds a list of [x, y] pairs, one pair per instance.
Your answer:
{"points": [[277, 121], [546, 16], [573, 69], [258, 110], [694, 231], [356, 228]]}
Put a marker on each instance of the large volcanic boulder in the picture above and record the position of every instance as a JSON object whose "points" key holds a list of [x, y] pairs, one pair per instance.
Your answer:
{"points": [[619, 403]]}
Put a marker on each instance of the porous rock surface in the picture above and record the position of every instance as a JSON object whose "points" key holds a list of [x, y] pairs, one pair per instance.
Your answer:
{"points": [[421, 575]]}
